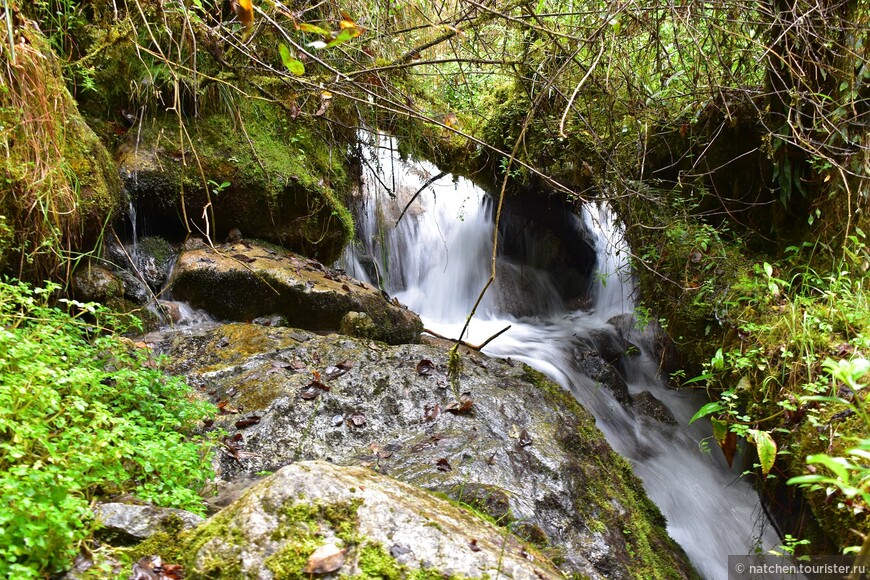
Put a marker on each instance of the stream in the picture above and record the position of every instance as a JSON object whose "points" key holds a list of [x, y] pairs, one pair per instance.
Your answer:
{"points": [[437, 260]]}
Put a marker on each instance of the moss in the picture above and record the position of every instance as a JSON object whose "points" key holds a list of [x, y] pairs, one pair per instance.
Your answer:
{"points": [[281, 183], [375, 562], [60, 185]]}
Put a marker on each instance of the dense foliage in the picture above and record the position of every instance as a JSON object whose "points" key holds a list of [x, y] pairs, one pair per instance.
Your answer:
{"points": [[82, 414]]}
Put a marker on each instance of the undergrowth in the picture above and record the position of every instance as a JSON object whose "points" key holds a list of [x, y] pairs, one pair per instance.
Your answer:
{"points": [[784, 337], [83, 414]]}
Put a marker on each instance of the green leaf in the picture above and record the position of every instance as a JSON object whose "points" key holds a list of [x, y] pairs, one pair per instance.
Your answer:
{"points": [[801, 479], [838, 466], [720, 430], [305, 27], [698, 379], [766, 447], [345, 35], [718, 361], [768, 269], [708, 409], [294, 66]]}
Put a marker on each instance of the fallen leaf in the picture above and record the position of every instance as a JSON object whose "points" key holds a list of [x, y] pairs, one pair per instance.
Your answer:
{"points": [[431, 413], [462, 406], [345, 287], [247, 422], [147, 568], [473, 546], [243, 258], [357, 420], [173, 571], [224, 341], [346, 364], [425, 367], [325, 559], [525, 438], [308, 393], [443, 465], [316, 383], [296, 67], [280, 364], [334, 372], [225, 409]]}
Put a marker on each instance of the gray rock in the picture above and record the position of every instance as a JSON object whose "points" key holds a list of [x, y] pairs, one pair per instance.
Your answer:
{"points": [[515, 446], [93, 283], [321, 517], [122, 523], [646, 404], [594, 367], [245, 281]]}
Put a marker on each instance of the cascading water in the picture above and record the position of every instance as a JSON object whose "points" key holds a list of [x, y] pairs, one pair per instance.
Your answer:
{"points": [[437, 260]]}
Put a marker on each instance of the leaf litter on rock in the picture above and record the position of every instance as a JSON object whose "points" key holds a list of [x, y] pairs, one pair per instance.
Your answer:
{"points": [[425, 367], [225, 409], [247, 421], [462, 406], [325, 559], [431, 412], [443, 465], [357, 420]]}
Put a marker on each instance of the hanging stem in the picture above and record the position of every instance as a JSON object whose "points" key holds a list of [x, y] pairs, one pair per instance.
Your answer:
{"points": [[9, 29]]}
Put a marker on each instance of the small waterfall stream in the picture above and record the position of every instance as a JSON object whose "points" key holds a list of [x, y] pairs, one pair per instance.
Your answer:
{"points": [[437, 260]]}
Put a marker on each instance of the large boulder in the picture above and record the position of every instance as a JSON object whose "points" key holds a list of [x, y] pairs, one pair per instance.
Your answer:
{"points": [[491, 433], [243, 281], [317, 518]]}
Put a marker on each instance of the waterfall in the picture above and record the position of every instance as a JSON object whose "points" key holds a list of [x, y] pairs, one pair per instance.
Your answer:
{"points": [[437, 260]]}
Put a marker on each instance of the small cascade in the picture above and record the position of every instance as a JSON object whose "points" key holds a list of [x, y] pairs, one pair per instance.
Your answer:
{"points": [[437, 259], [134, 226]]}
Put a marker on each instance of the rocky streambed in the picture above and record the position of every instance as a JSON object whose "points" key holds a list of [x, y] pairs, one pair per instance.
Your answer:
{"points": [[345, 455]]}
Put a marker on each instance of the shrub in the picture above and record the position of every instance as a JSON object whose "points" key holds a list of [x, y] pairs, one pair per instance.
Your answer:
{"points": [[82, 414]]}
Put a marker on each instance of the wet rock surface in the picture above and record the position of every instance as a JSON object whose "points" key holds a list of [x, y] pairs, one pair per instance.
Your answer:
{"points": [[247, 280], [122, 523], [318, 518], [494, 433]]}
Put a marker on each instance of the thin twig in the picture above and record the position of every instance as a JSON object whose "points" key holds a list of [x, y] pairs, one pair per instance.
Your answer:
{"points": [[429, 182], [477, 347]]}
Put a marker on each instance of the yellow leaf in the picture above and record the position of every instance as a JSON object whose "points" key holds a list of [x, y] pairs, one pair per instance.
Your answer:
{"points": [[245, 13]]}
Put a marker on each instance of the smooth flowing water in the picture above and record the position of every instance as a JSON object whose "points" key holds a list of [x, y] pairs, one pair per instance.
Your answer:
{"points": [[437, 260]]}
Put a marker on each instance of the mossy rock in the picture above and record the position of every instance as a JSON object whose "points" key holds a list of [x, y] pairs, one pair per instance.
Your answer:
{"points": [[525, 453], [247, 280], [382, 528], [280, 184], [61, 186]]}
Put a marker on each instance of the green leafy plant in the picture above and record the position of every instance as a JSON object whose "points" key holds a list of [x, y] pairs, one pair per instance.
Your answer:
{"points": [[847, 474], [82, 414]]}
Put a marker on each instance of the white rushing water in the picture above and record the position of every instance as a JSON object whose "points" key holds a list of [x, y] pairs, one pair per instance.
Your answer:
{"points": [[437, 260]]}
